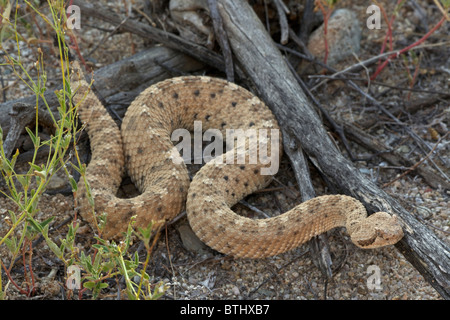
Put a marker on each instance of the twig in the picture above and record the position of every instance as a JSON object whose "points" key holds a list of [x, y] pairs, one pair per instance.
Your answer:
{"points": [[419, 141], [360, 65], [251, 207], [289, 192], [309, 58], [324, 112], [421, 40], [432, 226], [274, 274], [417, 164], [332, 77], [25, 274], [284, 26], [145, 16], [8, 274], [300, 43], [307, 20], [178, 217], [222, 39], [414, 106], [148, 32], [30, 254], [392, 156]]}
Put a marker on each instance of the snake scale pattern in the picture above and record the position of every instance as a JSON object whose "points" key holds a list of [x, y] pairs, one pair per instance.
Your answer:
{"points": [[143, 146]]}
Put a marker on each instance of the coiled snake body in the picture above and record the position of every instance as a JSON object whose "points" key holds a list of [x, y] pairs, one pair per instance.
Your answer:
{"points": [[144, 146]]}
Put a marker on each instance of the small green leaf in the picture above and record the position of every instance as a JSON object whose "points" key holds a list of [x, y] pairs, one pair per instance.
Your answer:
{"points": [[102, 285], [14, 159], [11, 243], [46, 222], [34, 166], [15, 196], [35, 139], [73, 184], [6, 165], [101, 247], [62, 248], [72, 231], [81, 170], [68, 87], [45, 231], [23, 180], [41, 174], [55, 249], [34, 225], [89, 285], [86, 262], [67, 138], [12, 216]]}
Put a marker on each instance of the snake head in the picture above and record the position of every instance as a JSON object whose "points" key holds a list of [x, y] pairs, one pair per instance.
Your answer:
{"points": [[378, 230]]}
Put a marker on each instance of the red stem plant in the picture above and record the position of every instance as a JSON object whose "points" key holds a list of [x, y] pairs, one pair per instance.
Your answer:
{"points": [[389, 37], [326, 7]]}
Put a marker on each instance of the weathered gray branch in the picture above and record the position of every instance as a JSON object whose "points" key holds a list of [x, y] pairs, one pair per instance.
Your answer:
{"points": [[120, 82], [318, 246], [263, 63], [148, 32]]}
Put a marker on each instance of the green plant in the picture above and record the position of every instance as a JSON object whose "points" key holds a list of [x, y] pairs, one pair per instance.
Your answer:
{"points": [[26, 189], [109, 259]]}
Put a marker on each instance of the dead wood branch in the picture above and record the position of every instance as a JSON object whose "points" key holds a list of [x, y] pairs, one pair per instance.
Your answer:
{"points": [[20, 116], [222, 39], [318, 246], [417, 164], [119, 83], [148, 32], [276, 85]]}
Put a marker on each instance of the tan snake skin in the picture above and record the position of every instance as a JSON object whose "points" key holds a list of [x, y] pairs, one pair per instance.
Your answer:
{"points": [[143, 146]]}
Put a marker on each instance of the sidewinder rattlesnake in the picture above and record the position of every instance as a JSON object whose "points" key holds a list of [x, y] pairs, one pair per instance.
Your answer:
{"points": [[143, 144]]}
